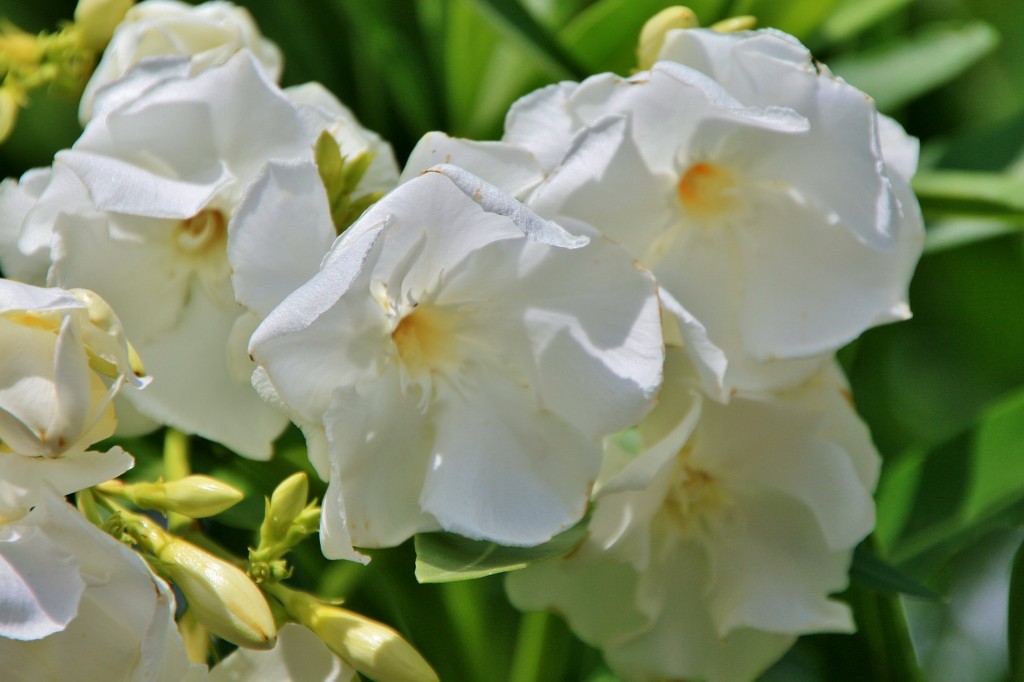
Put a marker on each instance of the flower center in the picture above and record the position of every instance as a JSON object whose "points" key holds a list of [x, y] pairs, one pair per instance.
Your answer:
{"points": [[694, 494], [707, 189], [204, 232], [426, 340]]}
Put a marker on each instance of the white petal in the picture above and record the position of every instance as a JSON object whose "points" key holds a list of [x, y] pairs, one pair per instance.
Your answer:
{"points": [[504, 471], [66, 474], [683, 643], [541, 123], [795, 570], [381, 441], [39, 582], [278, 235], [513, 169], [298, 655], [193, 388]]}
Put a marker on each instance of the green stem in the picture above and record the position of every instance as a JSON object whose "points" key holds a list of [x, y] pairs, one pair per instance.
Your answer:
{"points": [[540, 636], [881, 621], [177, 466], [465, 603]]}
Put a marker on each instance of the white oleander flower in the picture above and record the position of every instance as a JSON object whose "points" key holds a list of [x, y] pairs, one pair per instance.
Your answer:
{"points": [[76, 604], [299, 656], [745, 528], [775, 223], [455, 363], [139, 211], [63, 357], [207, 35]]}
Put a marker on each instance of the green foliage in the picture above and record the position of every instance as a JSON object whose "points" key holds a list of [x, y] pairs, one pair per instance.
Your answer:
{"points": [[444, 557]]}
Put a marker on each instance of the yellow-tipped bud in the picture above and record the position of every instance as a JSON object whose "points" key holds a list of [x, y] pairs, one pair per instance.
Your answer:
{"points": [[193, 496], [743, 22], [652, 35], [372, 648], [222, 597], [97, 19]]}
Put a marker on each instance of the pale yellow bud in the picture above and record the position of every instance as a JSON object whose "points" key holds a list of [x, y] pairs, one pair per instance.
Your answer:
{"points": [[193, 496], [97, 19], [19, 47], [221, 595], [733, 24], [372, 648], [286, 503], [652, 35]]}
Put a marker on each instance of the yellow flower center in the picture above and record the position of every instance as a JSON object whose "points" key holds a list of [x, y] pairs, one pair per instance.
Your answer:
{"points": [[694, 494], [203, 233], [426, 339], [707, 189]]}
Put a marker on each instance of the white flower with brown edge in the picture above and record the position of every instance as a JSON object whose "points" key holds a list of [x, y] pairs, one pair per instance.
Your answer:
{"points": [[503, 346], [206, 35], [77, 604], [64, 358], [139, 210], [745, 528]]}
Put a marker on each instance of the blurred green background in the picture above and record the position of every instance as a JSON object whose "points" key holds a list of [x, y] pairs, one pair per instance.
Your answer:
{"points": [[943, 393]]}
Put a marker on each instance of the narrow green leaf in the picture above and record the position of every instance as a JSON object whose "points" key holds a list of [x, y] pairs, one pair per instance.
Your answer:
{"points": [[445, 557], [956, 233], [1015, 618], [901, 71], [871, 571], [518, 24], [853, 17], [971, 194]]}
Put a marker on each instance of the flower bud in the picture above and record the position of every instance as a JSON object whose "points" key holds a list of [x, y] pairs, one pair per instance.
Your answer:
{"points": [[286, 503], [220, 594], [193, 496], [372, 648], [97, 19], [652, 35], [743, 22]]}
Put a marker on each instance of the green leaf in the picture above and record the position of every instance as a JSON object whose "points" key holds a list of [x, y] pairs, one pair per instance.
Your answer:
{"points": [[796, 17], [899, 72], [518, 24], [956, 233], [997, 475], [871, 571], [853, 17], [445, 557], [1015, 618], [971, 194]]}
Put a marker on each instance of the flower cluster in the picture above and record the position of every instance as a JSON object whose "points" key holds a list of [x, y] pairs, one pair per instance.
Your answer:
{"points": [[630, 304]]}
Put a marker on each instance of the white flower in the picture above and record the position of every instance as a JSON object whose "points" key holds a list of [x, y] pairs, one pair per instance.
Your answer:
{"points": [[299, 656], [207, 35], [772, 220], [77, 604], [63, 357], [733, 548], [139, 211], [460, 359]]}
